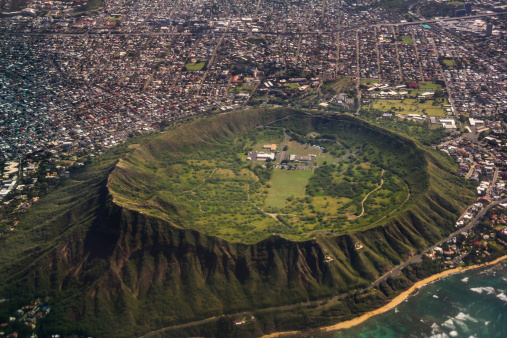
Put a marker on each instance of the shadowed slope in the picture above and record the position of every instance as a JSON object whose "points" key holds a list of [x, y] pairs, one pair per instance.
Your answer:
{"points": [[117, 271]]}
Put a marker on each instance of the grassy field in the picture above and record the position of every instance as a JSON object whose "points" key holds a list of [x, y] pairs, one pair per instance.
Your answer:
{"points": [[301, 149], [407, 40], [342, 84], [267, 136], [205, 183], [368, 81], [287, 183], [195, 66], [449, 62], [242, 88], [304, 150], [409, 106], [93, 5], [291, 85], [192, 177], [429, 85]]}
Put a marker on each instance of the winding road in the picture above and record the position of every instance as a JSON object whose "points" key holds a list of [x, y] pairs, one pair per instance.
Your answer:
{"points": [[418, 257], [371, 192], [395, 271]]}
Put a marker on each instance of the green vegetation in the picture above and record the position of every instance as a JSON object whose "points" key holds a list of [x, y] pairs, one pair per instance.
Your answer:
{"points": [[287, 183], [94, 5], [449, 62], [16, 5], [430, 85], [216, 191], [440, 9], [322, 157], [397, 6], [242, 88], [256, 40], [292, 85], [369, 81], [342, 85], [195, 66], [409, 106], [116, 252], [318, 314], [219, 193], [407, 40]]}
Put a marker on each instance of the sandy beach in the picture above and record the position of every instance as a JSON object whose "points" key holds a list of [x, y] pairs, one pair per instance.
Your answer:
{"points": [[392, 304]]}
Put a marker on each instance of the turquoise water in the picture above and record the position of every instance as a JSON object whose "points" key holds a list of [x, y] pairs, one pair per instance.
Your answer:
{"points": [[468, 304]]}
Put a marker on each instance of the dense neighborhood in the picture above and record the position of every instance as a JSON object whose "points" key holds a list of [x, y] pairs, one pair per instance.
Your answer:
{"points": [[80, 77]]}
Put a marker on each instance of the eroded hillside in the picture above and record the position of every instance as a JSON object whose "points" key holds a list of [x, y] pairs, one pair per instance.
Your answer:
{"points": [[116, 268]]}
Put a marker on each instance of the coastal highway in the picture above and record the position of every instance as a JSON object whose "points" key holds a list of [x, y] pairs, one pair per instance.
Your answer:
{"points": [[418, 258], [395, 271]]}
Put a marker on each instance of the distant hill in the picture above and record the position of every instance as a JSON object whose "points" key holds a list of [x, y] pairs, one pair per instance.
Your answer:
{"points": [[116, 262]]}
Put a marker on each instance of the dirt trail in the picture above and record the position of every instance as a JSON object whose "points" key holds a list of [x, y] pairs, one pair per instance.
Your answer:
{"points": [[371, 192]]}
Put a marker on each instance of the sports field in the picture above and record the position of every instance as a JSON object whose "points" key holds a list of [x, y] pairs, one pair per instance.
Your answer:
{"points": [[407, 40], [292, 85], [195, 66], [287, 183], [409, 106], [449, 62], [429, 85]]}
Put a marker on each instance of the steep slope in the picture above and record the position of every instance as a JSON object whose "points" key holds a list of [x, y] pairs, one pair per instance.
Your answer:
{"points": [[112, 270]]}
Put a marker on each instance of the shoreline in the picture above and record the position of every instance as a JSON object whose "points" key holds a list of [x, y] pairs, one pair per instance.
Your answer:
{"points": [[389, 306]]}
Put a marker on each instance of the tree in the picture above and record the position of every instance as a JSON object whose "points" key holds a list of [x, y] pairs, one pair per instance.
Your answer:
{"points": [[225, 327]]}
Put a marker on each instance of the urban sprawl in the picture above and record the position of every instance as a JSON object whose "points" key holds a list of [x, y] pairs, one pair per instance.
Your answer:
{"points": [[79, 77]]}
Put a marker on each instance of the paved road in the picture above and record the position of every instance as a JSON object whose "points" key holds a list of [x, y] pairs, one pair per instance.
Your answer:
{"points": [[449, 93], [210, 63], [493, 183], [395, 271], [418, 258], [358, 76], [284, 32], [471, 171]]}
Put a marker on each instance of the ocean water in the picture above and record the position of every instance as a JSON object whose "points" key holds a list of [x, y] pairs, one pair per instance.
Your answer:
{"points": [[469, 304]]}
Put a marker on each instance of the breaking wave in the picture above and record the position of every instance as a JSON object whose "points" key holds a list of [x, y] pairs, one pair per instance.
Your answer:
{"points": [[463, 316], [449, 324], [488, 289], [502, 296]]}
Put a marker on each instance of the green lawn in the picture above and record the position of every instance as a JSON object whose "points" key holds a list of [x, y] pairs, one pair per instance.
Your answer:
{"points": [[195, 66], [286, 183], [292, 85], [304, 150], [435, 112], [242, 88], [256, 40], [407, 40], [94, 5], [218, 192], [429, 85], [297, 148], [409, 106], [341, 85], [449, 62], [368, 81]]}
